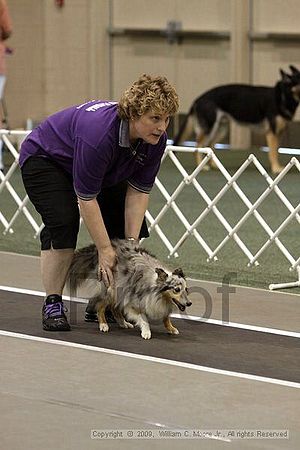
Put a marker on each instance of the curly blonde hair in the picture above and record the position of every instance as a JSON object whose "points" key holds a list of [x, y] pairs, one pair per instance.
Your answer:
{"points": [[148, 93]]}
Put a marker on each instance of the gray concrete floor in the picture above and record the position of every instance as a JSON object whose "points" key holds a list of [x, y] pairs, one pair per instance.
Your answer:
{"points": [[53, 394]]}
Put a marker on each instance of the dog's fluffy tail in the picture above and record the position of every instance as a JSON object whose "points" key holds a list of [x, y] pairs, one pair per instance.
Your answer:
{"points": [[83, 267]]}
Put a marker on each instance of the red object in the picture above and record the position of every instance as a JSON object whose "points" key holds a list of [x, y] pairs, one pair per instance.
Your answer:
{"points": [[59, 3]]}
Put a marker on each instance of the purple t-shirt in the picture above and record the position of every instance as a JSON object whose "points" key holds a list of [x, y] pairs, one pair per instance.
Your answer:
{"points": [[91, 142]]}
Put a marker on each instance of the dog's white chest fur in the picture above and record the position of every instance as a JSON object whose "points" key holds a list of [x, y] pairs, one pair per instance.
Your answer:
{"points": [[156, 311]]}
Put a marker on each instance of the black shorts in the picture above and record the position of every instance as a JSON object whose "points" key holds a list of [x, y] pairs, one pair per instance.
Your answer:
{"points": [[50, 189]]}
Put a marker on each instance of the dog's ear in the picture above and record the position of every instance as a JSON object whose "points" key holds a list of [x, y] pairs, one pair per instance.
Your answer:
{"points": [[162, 275], [286, 78], [179, 272], [294, 70]]}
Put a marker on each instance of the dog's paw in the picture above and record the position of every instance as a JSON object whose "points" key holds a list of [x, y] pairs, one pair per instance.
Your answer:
{"points": [[125, 324], [146, 334], [206, 168], [213, 165], [103, 327], [277, 169], [173, 330]]}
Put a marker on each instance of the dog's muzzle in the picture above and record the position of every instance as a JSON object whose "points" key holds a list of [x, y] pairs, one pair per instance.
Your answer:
{"points": [[180, 306]]}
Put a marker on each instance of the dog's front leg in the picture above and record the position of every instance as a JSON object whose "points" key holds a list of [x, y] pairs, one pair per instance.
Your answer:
{"points": [[103, 325], [140, 320], [203, 141], [169, 326], [273, 144], [199, 143]]}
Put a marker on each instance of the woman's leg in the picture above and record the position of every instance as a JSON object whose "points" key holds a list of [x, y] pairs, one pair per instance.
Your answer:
{"points": [[112, 203], [54, 267], [50, 189]]}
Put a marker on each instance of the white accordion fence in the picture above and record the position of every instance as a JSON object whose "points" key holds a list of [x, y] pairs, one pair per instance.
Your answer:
{"points": [[187, 179], [6, 136]]}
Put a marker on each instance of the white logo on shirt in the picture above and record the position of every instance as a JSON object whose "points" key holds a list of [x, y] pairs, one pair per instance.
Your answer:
{"points": [[99, 105], [83, 104]]}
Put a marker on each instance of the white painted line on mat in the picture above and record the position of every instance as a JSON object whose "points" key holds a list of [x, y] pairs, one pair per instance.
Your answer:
{"points": [[39, 293], [153, 359], [241, 326], [22, 291]]}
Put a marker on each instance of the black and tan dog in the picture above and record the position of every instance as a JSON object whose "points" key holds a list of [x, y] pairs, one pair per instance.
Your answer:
{"points": [[269, 107]]}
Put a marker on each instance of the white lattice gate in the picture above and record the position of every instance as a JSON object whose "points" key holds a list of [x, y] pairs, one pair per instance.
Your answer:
{"points": [[5, 183], [212, 205]]}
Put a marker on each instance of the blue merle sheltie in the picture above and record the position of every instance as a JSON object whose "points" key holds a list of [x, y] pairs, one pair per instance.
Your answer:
{"points": [[144, 289]]}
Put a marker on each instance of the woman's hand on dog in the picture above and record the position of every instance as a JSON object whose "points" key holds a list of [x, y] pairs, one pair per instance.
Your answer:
{"points": [[106, 263]]}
